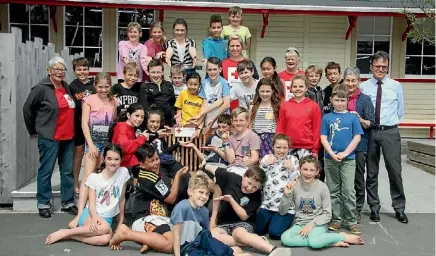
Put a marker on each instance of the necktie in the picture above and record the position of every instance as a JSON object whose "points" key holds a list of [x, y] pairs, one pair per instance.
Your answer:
{"points": [[378, 102]]}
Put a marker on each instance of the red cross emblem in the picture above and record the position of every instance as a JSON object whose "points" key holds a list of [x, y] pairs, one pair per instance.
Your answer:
{"points": [[179, 130], [235, 74]]}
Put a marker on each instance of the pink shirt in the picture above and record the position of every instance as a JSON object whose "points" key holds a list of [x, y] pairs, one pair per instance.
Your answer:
{"points": [[153, 48], [135, 53]]}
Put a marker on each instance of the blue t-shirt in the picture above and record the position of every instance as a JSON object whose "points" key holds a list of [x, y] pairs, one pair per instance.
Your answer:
{"points": [[212, 93], [340, 128], [215, 47], [194, 220]]}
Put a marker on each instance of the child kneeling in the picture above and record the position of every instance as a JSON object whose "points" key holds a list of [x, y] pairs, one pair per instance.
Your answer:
{"points": [[191, 222], [96, 219], [313, 208]]}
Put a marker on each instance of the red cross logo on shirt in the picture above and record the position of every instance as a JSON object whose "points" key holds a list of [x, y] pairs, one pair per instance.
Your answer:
{"points": [[235, 74], [179, 130]]}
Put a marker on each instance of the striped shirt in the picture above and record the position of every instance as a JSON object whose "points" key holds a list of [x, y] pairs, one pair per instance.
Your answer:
{"points": [[181, 53], [265, 122]]}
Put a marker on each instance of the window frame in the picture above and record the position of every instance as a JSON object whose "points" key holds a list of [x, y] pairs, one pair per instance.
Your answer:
{"points": [[117, 28], [422, 59], [373, 36], [29, 24], [91, 69]]}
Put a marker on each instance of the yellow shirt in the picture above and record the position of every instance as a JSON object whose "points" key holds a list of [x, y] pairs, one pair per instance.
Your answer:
{"points": [[243, 32], [189, 104]]}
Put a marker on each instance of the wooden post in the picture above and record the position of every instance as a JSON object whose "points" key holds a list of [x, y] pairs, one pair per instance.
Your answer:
{"points": [[8, 108]]}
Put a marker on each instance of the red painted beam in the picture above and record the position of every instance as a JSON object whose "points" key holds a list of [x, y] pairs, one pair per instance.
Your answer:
{"points": [[161, 16], [265, 18], [205, 9], [351, 25], [407, 30]]}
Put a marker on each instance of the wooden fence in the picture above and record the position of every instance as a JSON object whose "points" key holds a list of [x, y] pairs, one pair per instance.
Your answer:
{"points": [[22, 65]]}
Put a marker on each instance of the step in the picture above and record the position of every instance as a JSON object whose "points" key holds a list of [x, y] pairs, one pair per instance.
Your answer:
{"points": [[421, 154]]}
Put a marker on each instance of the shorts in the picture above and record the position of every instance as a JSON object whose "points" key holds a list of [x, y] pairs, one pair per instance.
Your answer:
{"points": [[79, 138], [100, 148], [85, 215], [152, 223], [230, 227]]}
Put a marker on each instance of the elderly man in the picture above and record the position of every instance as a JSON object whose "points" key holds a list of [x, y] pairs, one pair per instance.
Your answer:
{"points": [[387, 96]]}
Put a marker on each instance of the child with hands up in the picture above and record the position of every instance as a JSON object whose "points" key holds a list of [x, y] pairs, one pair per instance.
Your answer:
{"points": [[311, 199]]}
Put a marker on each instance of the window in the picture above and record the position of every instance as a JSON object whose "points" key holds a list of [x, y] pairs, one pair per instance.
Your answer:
{"points": [[420, 57], [84, 33], [33, 20], [373, 34], [142, 16]]}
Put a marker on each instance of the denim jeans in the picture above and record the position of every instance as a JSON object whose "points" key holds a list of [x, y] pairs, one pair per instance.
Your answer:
{"points": [[273, 223], [49, 151]]}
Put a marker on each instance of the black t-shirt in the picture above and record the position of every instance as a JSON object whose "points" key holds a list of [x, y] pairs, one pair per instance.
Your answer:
{"points": [[126, 96], [79, 91], [163, 98], [151, 191], [230, 184]]}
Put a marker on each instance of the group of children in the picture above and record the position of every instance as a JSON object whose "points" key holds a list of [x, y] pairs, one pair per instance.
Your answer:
{"points": [[262, 162]]}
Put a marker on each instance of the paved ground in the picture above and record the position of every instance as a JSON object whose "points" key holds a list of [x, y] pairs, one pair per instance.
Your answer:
{"points": [[24, 233]]}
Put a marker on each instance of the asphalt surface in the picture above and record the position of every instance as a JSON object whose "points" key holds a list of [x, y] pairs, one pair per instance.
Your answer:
{"points": [[24, 234]]}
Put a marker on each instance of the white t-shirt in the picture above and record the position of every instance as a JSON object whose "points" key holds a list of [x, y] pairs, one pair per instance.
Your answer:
{"points": [[179, 89], [243, 94], [108, 191]]}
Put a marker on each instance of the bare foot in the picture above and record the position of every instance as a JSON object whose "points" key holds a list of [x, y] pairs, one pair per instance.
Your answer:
{"points": [[118, 237], [56, 236], [341, 244], [74, 223], [353, 239], [144, 249]]}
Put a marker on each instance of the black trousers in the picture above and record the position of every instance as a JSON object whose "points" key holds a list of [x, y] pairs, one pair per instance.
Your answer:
{"points": [[388, 142], [359, 182]]}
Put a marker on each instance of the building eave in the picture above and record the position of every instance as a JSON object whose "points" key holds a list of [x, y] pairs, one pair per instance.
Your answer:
{"points": [[223, 7]]}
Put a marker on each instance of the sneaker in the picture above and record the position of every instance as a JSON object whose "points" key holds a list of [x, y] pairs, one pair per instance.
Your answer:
{"points": [[355, 229], [280, 251], [333, 226]]}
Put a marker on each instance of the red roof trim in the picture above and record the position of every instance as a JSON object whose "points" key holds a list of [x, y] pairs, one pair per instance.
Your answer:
{"points": [[203, 9]]}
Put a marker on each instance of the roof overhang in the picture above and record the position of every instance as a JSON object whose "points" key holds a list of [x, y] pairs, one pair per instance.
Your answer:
{"points": [[205, 6]]}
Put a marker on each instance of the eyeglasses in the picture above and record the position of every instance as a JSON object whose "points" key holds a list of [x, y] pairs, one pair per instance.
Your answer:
{"points": [[380, 67], [59, 70]]}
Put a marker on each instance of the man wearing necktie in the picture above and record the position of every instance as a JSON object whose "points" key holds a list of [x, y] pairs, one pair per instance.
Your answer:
{"points": [[387, 96]]}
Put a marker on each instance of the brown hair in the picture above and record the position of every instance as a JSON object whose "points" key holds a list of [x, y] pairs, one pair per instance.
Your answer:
{"points": [[224, 119], [234, 38], [255, 172], [158, 24], [276, 99], [155, 63], [282, 137], [200, 179], [107, 77], [131, 67], [313, 68], [299, 77], [136, 25], [311, 160], [340, 91], [235, 10], [244, 64], [214, 18], [177, 69], [240, 110], [332, 65], [81, 61]]}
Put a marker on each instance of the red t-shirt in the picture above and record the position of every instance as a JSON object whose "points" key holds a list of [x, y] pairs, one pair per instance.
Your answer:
{"points": [[65, 122], [287, 77]]}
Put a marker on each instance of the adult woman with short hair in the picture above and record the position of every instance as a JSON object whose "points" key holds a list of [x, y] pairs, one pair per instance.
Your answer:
{"points": [[49, 115]]}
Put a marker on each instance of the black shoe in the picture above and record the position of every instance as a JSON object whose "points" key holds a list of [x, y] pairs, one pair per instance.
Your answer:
{"points": [[401, 217], [375, 216], [44, 213], [71, 210]]}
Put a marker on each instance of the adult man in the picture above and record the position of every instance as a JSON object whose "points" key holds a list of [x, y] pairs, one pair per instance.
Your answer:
{"points": [[387, 96]]}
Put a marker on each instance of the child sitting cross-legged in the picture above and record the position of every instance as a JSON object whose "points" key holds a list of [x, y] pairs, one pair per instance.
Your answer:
{"points": [[191, 222], [236, 200], [280, 168], [154, 193], [313, 208]]}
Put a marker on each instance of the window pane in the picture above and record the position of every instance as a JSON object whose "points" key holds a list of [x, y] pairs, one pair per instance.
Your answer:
{"points": [[93, 36], [74, 36], [428, 66], [24, 32], [39, 31], [145, 34], [413, 48], [365, 25], [382, 25], [74, 50], [18, 13], [122, 34], [39, 14], [73, 15], [413, 66], [94, 56], [362, 62], [142, 16], [93, 16], [428, 49], [364, 47], [381, 46]]}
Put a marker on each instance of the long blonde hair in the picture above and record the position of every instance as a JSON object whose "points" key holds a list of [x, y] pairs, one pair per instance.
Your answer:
{"points": [[159, 25]]}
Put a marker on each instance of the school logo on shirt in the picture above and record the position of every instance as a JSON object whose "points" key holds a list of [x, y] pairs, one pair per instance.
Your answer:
{"points": [[70, 101], [307, 205], [244, 201], [161, 187], [194, 104]]}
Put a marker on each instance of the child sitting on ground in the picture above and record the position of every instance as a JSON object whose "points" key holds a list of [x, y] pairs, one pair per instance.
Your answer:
{"points": [[311, 199], [191, 235], [106, 200], [154, 192], [280, 169]]}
